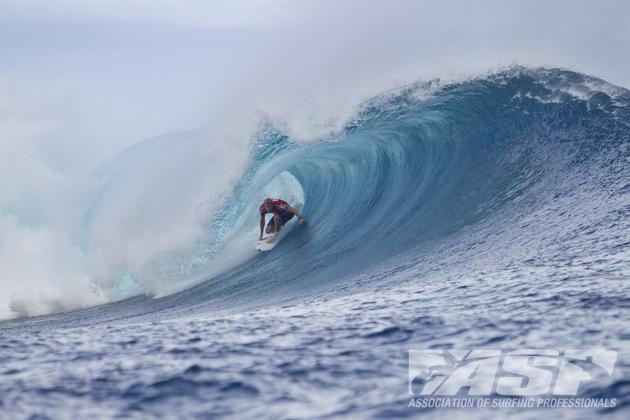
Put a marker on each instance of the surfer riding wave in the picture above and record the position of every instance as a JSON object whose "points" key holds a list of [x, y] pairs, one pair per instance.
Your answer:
{"points": [[282, 213]]}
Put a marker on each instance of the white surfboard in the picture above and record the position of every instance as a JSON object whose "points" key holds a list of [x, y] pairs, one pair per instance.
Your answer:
{"points": [[264, 245]]}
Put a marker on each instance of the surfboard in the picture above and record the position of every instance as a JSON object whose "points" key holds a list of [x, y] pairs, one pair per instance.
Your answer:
{"points": [[266, 246]]}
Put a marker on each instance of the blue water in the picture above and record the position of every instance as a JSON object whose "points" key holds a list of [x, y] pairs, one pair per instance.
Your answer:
{"points": [[489, 213]]}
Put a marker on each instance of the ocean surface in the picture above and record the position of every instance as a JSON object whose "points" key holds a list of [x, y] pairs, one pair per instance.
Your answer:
{"points": [[490, 213]]}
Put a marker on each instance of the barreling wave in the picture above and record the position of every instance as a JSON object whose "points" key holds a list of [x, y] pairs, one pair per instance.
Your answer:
{"points": [[414, 168], [425, 164]]}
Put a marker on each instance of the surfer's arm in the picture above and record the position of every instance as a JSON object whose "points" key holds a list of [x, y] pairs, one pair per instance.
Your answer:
{"points": [[296, 212], [262, 225]]}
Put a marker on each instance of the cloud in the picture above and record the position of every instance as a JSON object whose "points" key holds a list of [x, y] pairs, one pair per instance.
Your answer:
{"points": [[184, 12]]}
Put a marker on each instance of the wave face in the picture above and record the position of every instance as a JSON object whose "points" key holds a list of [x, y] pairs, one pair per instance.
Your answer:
{"points": [[525, 157], [487, 213]]}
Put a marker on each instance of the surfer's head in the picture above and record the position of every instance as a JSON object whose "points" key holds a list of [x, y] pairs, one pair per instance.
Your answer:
{"points": [[268, 203]]}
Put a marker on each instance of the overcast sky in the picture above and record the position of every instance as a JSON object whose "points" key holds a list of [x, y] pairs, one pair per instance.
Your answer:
{"points": [[96, 76]]}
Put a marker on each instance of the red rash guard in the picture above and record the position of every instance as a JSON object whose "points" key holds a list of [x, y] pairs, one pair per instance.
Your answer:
{"points": [[278, 206]]}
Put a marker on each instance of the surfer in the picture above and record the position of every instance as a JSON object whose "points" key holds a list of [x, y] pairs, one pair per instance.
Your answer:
{"points": [[282, 213]]}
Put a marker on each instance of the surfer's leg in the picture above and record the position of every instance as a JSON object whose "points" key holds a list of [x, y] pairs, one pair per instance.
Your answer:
{"points": [[272, 226], [277, 222], [285, 216]]}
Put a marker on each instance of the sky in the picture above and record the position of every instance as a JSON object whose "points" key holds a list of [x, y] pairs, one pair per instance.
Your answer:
{"points": [[93, 77]]}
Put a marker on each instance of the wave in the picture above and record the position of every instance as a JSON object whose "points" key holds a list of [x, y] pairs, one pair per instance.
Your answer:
{"points": [[414, 168], [438, 161]]}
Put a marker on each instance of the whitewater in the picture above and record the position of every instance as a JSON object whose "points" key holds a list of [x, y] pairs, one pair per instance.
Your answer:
{"points": [[490, 212]]}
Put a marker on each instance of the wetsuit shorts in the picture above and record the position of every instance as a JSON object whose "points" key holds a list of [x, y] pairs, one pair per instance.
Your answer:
{"points": [[285, 216]]}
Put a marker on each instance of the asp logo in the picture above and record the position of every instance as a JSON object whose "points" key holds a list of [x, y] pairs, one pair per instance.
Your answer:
{"points": [[521, 372]]}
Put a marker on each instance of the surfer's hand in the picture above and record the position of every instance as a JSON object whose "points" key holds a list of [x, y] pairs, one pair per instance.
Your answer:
{"points": [[301, 220]]}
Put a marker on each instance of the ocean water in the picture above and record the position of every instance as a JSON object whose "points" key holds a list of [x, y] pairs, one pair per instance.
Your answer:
{"points": [[490, 213]]}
